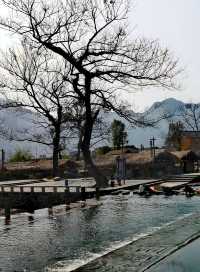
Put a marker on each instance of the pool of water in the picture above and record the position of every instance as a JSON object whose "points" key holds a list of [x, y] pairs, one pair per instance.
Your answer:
{"points": [[66, 241]]}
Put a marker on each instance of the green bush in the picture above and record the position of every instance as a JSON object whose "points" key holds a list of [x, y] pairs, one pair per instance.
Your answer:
{"points": [[65, 156], [103, 150], [21, 155]]}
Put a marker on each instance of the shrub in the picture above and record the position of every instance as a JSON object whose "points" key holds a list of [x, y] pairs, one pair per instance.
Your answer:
{"points": [[65, 156], [103, 150], [21, 155]]}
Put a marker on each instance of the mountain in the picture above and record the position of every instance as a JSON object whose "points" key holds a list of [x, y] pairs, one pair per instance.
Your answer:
{"points": [[17, 120], [137, 136], [24, 119]]}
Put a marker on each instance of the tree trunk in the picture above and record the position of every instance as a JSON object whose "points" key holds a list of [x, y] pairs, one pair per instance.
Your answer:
{"points": [[78, 155], [55, 160], [56, 145], [101, 180]]}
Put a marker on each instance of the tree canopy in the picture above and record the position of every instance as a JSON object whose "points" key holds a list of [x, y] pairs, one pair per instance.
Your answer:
{"points": [[92, 38], [119, 134]]}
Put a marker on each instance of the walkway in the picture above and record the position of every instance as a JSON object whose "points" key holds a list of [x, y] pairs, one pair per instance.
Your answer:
{"points": [[75, 185]]}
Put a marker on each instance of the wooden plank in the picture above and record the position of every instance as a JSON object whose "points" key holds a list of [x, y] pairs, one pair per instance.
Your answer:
{"points": [[173, 185]]}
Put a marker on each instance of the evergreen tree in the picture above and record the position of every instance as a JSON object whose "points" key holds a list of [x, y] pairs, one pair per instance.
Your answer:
{"points": [[119, 135]]}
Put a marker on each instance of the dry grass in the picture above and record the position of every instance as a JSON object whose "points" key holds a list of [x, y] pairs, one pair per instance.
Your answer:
{"points": [[131, 158], [40, 165]]}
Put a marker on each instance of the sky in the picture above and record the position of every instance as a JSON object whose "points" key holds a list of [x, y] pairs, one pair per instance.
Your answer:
{"points": [[175, 23]]}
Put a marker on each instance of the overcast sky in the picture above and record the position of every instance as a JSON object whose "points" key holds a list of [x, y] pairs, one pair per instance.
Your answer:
{"points": [[176, 24]]}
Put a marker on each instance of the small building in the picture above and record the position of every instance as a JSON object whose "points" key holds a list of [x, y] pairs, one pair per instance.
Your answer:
{"points": [[167, 158], [189, 160], [166, 163], [190, 140], [143, 164]]}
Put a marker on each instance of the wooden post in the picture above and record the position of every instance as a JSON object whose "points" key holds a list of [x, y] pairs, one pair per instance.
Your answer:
{"points": [[2, 159], [97, 193], [83, 194], [50, 211], [7, 214], [83, 197], [67, 195]]}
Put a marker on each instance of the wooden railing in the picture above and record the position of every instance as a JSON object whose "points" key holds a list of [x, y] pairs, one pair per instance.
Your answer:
{"points": [[43, 189]]}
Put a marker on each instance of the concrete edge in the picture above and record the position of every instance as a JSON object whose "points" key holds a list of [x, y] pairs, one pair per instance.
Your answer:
{"points": [[173, 250]]}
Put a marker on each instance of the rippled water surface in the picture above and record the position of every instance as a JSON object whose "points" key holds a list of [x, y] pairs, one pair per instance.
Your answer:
{"points": [[73, 238]]}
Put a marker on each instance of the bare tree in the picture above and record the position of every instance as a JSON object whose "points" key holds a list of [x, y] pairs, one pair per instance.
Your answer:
{"points": [[173, 139], [101, 129], [91, 36], [33, 80], [190, 115]]}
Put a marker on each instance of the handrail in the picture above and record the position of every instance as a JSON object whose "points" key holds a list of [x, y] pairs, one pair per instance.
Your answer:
{"points": [[39, 189]]}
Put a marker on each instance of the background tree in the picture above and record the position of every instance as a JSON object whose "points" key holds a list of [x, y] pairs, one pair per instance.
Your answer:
{"points": [[102, 150], [190, 115], [173, 139], [33, 79], [21, 155], [119, 135], [76, 117], [91, 36]]}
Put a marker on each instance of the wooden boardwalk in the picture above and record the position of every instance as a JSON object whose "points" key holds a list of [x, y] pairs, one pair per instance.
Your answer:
{"points": [[36, 186], [29, 195], [32, 195]]}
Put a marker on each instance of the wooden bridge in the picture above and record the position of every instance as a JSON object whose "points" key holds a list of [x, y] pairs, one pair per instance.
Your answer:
{"points": [[30, 198], [33, 195]]}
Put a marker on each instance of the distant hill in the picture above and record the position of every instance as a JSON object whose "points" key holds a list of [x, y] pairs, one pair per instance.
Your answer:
{"points": [[138, 136], [19, 119], [15, 120]]}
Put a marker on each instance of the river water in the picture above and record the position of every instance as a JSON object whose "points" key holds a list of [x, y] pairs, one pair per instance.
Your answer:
{"points": [[66, 241]]}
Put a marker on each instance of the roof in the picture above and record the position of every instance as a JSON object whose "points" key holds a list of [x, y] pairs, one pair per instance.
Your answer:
{"points": [[191, 133], [186, 155], [120, 151], [144, 157], [138, 158], [166, 156]]}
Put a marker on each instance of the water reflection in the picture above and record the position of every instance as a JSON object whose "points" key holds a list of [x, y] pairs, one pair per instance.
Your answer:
{"points": [[44, 239]]}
